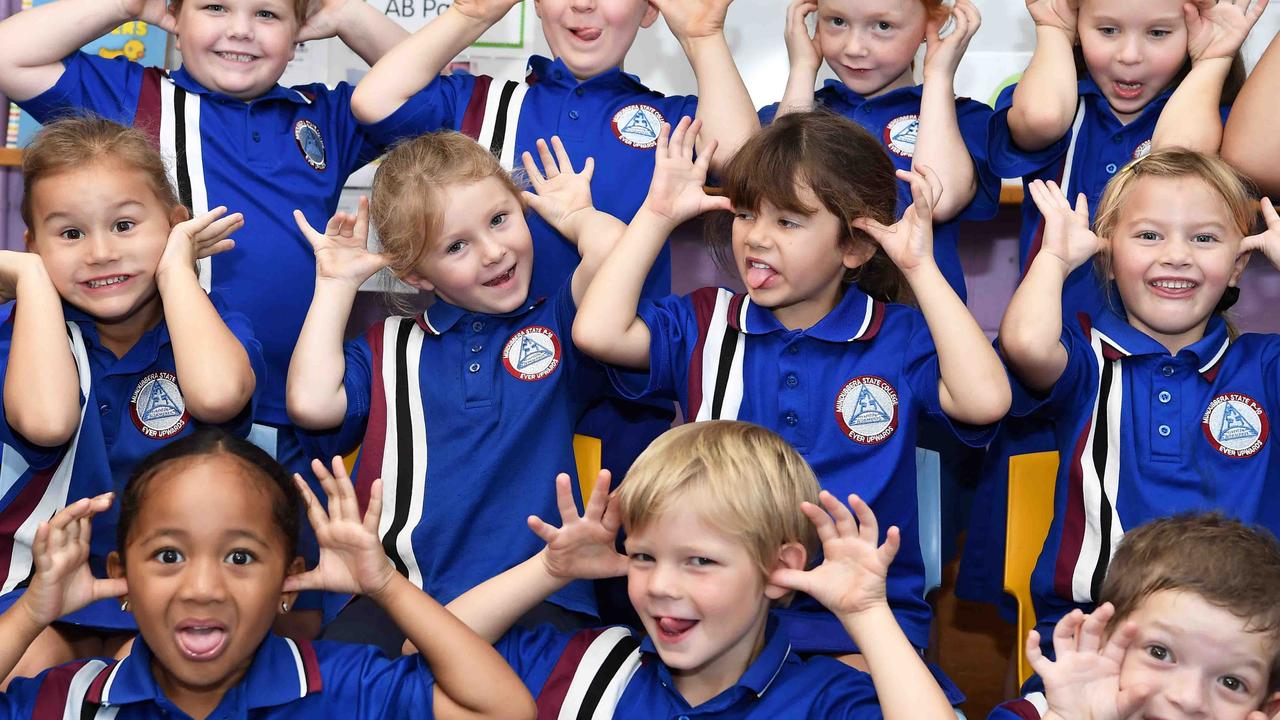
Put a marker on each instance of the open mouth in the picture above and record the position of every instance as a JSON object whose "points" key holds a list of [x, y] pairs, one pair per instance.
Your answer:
{"points": [[236, 57], [104, 282], [759, 274], [1173, 288], [201, 640], [587, 34], [1128, 90], [502, 279], [673, 630]]}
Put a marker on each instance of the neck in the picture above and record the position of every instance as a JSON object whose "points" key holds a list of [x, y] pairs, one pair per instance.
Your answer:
{"points": [[906, 79], [699, 685], [1176, 342], [197, 701], [120, 336]]}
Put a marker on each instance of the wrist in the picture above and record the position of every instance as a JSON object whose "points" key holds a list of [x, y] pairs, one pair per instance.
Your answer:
{"points": [[1052, 33], [696, 45], [1217, 64], [170, 273], [481, 21], [874, 614], [925, 271], [29, 622], [337, 286], [385, 586]]}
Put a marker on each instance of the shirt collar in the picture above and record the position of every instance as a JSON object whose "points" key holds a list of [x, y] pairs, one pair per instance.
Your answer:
{"points": [[282, 671], [760, 674], [183, 79], [442, 316], [1087, 87], [910, 93], [155, 338], [556, 74], [1120, 339], [856, 317]]}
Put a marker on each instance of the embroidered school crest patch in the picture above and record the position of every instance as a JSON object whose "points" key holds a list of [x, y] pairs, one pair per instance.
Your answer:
{"points": [[867, 410], [157, 407], [1235, 425], [310, 143], [637, 126], [900, 135], [532, 353]]}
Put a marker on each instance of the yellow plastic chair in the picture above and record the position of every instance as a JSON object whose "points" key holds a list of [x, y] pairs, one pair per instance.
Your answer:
{"points": [[1032, 478], [586, 456]]}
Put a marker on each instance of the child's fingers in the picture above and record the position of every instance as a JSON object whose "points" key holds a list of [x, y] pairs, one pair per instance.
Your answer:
{"points": [[217, 248], [1064, 633], [1269, 214], [1120, 641], [531, 170], [664, 135], [549, 167], [564, 499], [703, 163], [889, 550], [104, 588], [310, 580], [1034, 657], [220, 229], [868, 526], [822, 523], [305, 226], [315, 514], [373, 513], [1090, 634], [588, 168], [792, 579], [361, 227], [1082, 207], [346, 492], [542, 529], [599, 500], [1131, 698], [1255, 12], [563, 162]]}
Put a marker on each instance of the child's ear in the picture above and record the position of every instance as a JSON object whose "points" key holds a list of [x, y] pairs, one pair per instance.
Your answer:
{"points": [[297, 567], [1271, 706], [179, 214], [857, 251], [416, 279], [26, 240], [791, 556], [1238, 269], [650, 15], [115, 565], [537, 8]]}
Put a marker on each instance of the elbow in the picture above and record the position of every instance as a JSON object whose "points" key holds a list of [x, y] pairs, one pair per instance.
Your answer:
{"points": [[588, 338], [1036, 129], [45, 427], [363, 106], [219, 407]]}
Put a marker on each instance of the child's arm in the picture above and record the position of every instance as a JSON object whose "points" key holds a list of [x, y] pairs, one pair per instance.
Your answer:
{"points": [[62, 582], [607, 327], [1250, 141], [472, 680], [1215, 32], [213, 368], [724, 106], [359, 25], [1267, 241], [41, 384], [973, 387], [803, 58], [414, 64], [1044, 102], [314, 393], [581, 548], [1031, 331], [1084, 682], [563, 199], [940, 144], [850, 582], [34, 42]]}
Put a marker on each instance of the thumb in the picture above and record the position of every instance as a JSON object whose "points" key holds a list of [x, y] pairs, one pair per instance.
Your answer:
{"points": [[1130, 699], [309, 580], [868, 225], [109, 588], [792, 579]]}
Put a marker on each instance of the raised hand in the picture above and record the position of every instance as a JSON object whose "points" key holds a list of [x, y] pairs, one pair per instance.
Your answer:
{"points": [[351, 556], [1268, 241], [324, 22], [1217, 29], [909, 242], [152, 12], [13, 265], [693, 19], [583, 545], [676, 191], [852, 575], [200, 237], [342, 251], [803, 51], [943, 54], [1060, 14], [63, 582], [1067, 236], [1084, 682], [486, 11], [562, 196]]}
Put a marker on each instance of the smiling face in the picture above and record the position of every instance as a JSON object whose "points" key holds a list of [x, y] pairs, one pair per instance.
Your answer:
{"points": [[205, 561], [593, 36], [481, 258], [1133, 50], [1200, 658], [869, 44], [238, 48], [101, 230], [1173, 253]]}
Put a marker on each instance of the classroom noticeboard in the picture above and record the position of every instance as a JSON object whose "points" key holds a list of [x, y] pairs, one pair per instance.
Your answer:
{"points": [[509, 33]]}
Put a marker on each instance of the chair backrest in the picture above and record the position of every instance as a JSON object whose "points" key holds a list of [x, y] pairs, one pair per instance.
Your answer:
{"points": [[929, 496], [1032, 478], [586, 457]]}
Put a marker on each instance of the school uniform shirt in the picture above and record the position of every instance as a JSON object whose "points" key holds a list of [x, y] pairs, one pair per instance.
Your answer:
{"points": [[129, 408], [1082, 161], [633, 683], [467, 418], [290, 148], [846, 393], [1143, 434], [611, 117], [286, 679], [894, 119]]}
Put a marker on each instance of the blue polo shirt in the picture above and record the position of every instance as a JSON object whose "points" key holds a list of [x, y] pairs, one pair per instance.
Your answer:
{"points": [[611, 117], [893, 118], [286, 679], [778, 684], [133, 408], [290, 148], [499, 398], [847, 393], [1144, 434], [1096, 147]]}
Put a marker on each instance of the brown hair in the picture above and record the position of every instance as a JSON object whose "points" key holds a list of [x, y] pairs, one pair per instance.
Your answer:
{"points": [[841, 163], [1227, 563], [300, 10], [740, 477], [76, 142], [937, 10], [405, 208]]}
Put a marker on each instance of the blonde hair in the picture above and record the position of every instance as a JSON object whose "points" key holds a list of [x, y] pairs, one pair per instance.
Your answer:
{"points": [[406, 207], [77, 142], [741, 478]]}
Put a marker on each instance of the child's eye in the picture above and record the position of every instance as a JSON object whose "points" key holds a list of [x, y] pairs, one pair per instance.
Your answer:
{"points": [[640, 557], [884, 26], [240, 557], [1233, 683], [168, 556], [1108, 31], [698, 561], [267, 14], [1159, 652], [214, 7], [837, 22], [455, 247], [123, 226], [788, 224], [1160, 33], [1204, 238], [71, 234], [743, 215], [498, 219], [1148, 235]]}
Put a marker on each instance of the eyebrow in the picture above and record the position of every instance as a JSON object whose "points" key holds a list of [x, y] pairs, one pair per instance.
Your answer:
{"points": [[58, 214], [180, 534]]}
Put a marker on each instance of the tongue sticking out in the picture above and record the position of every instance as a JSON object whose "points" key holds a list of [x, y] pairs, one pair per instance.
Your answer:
{"points": [[757, 276], [587, 34], [675, 626], [201, 642]]}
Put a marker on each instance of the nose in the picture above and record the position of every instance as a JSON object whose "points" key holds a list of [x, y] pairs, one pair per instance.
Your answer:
{"points": [[855, 44], [583, 5], [1130, 51], [239, 25], [203, 581], [1176, 253], [101, 249], [492, 252], [663, 581], [1187, 693]]}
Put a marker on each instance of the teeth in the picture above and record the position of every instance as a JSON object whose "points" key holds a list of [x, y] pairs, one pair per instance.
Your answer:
{"points": [[236, 57], [108, 281], [760, 265], [1173, 284]]}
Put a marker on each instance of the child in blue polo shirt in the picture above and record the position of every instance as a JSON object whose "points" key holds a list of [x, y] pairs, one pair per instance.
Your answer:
{"points": [[1157, 405], [814, 349], [870, 46], [716, 538], [112, 350], [476, 398], [231, 134], [207, 535]]}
